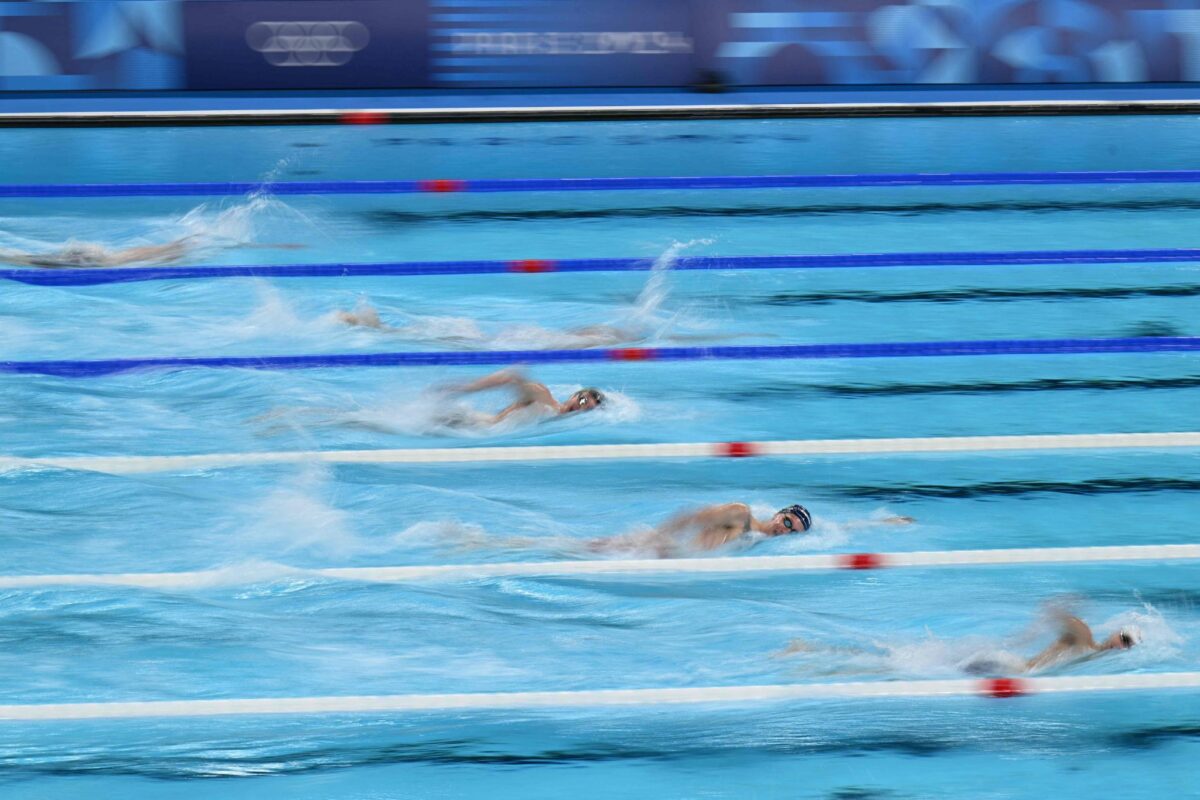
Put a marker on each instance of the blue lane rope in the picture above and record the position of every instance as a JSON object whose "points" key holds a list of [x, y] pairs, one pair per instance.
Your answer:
{"points": [[203, 189], [84, 369], [89, 277]]}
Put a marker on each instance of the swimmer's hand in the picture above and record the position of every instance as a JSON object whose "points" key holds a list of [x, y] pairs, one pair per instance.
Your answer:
{"points": [[871, 523]]}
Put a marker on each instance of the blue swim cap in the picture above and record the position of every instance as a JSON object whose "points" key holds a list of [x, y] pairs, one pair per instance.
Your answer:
{"points": [[800, 513]]}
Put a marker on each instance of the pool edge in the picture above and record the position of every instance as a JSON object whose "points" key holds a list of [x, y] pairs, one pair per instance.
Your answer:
{"points": [[395, 116]]}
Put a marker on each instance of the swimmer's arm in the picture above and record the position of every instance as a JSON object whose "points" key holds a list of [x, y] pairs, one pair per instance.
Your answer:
{"points": [[15, 257], [719, 525], [512, 409], [1075, 635], [728, 514], [505, 377], [872, 523], [803, 646], [172, 251], [528, 392], [714, 537]]}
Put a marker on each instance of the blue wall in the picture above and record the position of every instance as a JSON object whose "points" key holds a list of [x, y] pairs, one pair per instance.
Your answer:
{"points": [[393, 44]]}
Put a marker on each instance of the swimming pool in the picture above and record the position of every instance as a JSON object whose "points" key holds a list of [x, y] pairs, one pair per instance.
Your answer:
{"points": [[257, 630]]}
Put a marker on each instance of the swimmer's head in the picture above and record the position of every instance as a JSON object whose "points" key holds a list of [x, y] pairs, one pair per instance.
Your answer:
{"points": [[584, 400], [1124, 639], [793, 519]]}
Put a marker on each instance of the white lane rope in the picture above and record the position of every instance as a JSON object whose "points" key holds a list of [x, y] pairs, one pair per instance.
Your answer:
{"points": [[993, 687], [726, 565], [131, 465]]}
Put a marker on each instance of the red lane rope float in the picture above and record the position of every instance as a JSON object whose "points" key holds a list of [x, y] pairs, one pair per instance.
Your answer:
{"points": [[737, 449], [632, 353], [1004, 687], [531, 265], [441, 185], [863, 561], [365, 118]]}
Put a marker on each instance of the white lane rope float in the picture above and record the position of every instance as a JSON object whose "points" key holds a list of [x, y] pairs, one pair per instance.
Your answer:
{"points": [[658, 566], [131, 465], [416, 703]]}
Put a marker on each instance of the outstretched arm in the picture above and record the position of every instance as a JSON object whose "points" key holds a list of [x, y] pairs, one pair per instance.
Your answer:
{"points": [[178, 249], [873, 523], [153, 253], [17, 257], [267, 246]]}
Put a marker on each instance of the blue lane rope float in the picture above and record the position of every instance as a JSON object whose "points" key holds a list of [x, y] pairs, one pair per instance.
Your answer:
{"points": [[491, 185], [84, 369], [90, 277]]}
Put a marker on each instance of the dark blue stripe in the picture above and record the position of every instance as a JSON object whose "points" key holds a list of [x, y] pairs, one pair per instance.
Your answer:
{"points": [[88, 277], [198, 189], [81, 369]]}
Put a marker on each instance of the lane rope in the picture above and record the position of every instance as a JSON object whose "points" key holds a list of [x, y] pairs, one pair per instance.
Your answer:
{"points": [[241, 575], [135, 464], [493, 185], [985, 347], [92, 277], [988, 687]]}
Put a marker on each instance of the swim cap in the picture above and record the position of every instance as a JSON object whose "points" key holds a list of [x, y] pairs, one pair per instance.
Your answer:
{"points": [[800, 513], [1133, 632]]}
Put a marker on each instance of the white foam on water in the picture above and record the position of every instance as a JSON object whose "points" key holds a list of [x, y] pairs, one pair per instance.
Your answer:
{"points": [[295, 517], [1156, 640]]}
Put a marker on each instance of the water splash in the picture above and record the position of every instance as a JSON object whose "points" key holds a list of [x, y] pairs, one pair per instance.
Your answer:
{"points": [[218, 226], [295, 517], [644, 312]]}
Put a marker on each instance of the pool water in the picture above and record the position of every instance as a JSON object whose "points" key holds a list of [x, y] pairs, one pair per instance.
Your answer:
{"points": [[266, 628]]}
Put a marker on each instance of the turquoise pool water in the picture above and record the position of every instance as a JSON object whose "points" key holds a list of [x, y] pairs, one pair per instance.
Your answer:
{"points": [[260, 632]]}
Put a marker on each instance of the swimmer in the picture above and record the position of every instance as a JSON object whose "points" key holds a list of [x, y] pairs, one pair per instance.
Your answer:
{"points": [[365, 315], [530, 395], [1075, 643], [717, 526], [90, 255]]}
